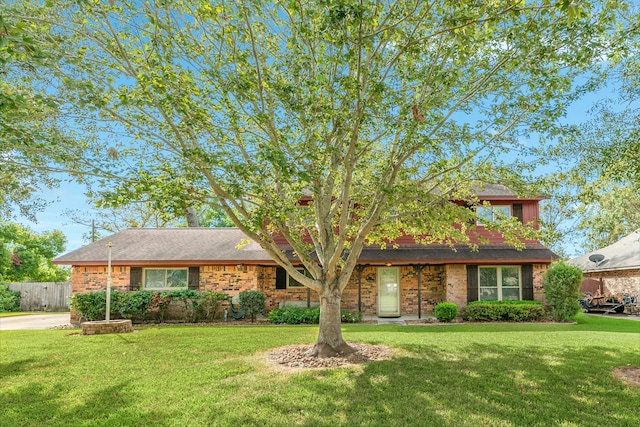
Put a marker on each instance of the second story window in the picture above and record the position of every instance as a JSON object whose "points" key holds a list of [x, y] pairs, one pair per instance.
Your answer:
{"points": [[488, 214]]}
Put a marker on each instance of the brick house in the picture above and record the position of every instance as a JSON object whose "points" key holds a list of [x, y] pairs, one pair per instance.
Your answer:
{"points": [[408, 279], [614, 269]]}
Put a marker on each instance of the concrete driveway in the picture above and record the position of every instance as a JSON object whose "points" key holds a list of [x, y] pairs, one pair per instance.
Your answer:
{"points": [[34, 321]]}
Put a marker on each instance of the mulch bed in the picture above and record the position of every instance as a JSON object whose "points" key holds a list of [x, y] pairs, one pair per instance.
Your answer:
{"points": [[294, 358]]}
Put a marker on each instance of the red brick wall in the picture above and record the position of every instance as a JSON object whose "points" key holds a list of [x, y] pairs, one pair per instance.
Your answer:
{"points": [[93, 279], [538, 281], [368, 292], [275, 298], [438, 283], [229, 279], [432, 289], [456, 284]]}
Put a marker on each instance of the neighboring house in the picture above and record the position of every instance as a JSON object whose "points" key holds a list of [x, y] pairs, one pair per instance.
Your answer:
{"points": [[408, 279], [613, 269]]}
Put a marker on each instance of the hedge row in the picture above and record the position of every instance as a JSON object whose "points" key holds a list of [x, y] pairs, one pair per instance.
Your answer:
{"points": [[302, 315], [144, 306], [511, 311]]}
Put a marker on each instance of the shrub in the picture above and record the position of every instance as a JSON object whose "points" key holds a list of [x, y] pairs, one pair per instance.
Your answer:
{"points": [[146, 305], [158, 307], [131, 305], [91, 306], [446, 311], [295, 315], [349, 317], [9, 300], [252, 303], [208, 304], [188, 299], [513, 311], [562, 290]]}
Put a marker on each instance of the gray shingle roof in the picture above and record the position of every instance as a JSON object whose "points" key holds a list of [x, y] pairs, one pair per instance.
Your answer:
{"points": [[189, 246], [148, 245], [622, 255]]}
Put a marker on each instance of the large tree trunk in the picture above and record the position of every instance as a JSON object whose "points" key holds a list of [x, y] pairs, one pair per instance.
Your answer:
{"points": [[330, 342]]}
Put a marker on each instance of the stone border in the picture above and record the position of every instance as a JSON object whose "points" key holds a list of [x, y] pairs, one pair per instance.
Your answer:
{"points": [[120, 326]]}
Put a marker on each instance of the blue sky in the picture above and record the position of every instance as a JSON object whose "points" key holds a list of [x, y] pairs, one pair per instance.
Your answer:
{"points": [[67, 196]]}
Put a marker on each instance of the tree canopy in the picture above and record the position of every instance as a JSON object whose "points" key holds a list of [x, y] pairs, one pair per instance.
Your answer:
{"points": [[26, 256], [330, 124], [21, 107], [598, 187]]}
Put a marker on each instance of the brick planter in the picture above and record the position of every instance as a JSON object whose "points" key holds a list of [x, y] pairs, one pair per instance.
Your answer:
{"points": [[120, 326]]}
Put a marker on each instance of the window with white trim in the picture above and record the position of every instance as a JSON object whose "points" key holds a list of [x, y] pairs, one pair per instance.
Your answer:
{"points": [[165, 278], [499, 283], [488, 214]]}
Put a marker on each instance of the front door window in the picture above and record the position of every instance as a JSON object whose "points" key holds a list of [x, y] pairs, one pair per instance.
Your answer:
{"points": [[388, 292]]}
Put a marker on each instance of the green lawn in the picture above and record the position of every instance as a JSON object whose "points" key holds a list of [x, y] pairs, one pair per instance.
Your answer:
{"points": [[28, 313], [457, 375]]}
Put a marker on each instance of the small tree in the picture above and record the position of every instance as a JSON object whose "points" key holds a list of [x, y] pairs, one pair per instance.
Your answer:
{"points": [[26, 256], [562, 288], [252, 303]]}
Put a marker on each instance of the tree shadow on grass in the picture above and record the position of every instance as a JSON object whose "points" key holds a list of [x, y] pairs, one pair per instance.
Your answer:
{"points": [[498, 385], [17, 367], [40, 405], [479, 385]]}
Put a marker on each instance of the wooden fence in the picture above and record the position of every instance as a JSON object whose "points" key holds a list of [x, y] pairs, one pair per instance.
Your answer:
{"points": [[592, 285], [46, 296]]}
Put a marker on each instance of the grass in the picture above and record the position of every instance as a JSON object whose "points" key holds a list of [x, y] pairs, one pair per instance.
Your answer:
{"points": [[455, 375], [28, 313]]}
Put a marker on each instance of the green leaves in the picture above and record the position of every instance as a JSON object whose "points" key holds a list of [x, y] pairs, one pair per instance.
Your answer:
{"points": [[26, 256], [375, 112], [562, 291]]}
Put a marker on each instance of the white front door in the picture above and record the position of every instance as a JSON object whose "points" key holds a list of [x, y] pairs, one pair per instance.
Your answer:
{"points": [[388, 292]]}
